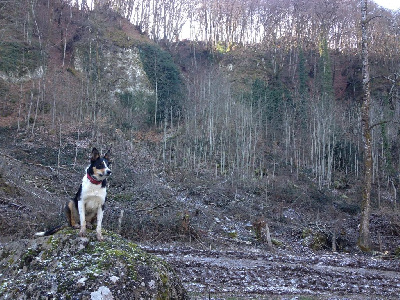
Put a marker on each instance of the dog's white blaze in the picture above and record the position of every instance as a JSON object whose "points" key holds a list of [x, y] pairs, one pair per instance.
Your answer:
{"points": [[95, 195], [92, 198]]}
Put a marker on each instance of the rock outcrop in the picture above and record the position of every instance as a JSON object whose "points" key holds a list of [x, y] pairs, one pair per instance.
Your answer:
{"points": [[65, 266]]}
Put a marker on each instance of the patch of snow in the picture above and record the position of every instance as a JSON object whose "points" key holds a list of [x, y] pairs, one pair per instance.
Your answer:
{"points": [[103, 293], [152, 284], [114, 279], [82, 281]]}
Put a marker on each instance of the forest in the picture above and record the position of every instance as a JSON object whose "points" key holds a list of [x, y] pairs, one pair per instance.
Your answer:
{"points": [[256, 68], [270, 123]]}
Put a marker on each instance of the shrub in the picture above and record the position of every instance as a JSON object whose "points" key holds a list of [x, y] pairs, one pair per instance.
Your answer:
{"points": [[18, 57], [164, 77]]}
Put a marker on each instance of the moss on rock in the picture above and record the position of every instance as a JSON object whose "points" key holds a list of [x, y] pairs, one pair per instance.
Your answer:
{"points": [[65, 266]]}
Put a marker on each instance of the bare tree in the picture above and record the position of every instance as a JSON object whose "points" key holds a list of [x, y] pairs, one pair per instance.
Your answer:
{"points": [[364, 238]]}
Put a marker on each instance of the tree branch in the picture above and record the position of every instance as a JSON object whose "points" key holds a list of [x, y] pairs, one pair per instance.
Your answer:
{"points": [[149, 210], [9, 202], [373, 17], [383, 122]]}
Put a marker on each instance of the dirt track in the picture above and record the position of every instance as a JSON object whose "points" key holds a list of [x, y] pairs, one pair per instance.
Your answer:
{"points": [[265, 275]]}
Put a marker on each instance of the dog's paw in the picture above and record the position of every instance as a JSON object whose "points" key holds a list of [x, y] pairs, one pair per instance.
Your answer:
{"points": [[82, 233], [100, 237]]}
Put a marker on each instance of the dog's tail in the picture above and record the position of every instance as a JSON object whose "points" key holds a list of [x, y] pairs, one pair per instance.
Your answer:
{"points": [[51, 231]]}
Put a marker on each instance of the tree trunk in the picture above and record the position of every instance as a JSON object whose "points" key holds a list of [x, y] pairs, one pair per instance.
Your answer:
{"points": [[364, 238]]}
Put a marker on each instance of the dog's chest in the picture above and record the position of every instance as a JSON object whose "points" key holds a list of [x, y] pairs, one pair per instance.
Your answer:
{"points": [[93, 195]]}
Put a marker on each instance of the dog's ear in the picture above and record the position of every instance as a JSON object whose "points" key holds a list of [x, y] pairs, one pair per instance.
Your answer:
{"points": [[107, 156], [95, 154]]}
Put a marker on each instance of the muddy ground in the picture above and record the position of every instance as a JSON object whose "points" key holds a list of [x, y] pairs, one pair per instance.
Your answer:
{"points": [[259, 274]]}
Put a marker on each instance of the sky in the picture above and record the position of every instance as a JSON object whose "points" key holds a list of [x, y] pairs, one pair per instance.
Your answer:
{"points": [[391, 4]]}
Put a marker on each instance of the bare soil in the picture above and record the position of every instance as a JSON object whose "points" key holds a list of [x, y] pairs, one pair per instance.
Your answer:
{"points": [[259, 274]]}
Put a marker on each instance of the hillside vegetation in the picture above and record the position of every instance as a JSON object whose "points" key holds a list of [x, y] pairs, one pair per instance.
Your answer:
{"points": [[213, 140]]}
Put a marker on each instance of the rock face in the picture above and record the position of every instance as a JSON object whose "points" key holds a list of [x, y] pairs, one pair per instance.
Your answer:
{"points": [[122, 69], [65, 266]]}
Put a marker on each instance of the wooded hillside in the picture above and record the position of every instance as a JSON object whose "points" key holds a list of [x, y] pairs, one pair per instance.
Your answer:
{"points": [[257, 111]]}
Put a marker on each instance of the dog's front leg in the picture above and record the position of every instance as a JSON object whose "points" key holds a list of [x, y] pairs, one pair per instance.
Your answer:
{"points": [[99, 220], [81, 208]]}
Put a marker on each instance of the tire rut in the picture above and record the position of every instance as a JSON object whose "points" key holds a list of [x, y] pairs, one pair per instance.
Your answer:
{"points": [[260, 274]]}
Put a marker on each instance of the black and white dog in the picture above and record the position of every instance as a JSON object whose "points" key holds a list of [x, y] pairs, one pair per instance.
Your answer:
{"points": [[91, 196], [86, 208]]}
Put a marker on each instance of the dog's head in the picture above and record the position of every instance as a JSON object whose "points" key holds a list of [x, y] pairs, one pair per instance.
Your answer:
{"points": [[99, 166]]}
